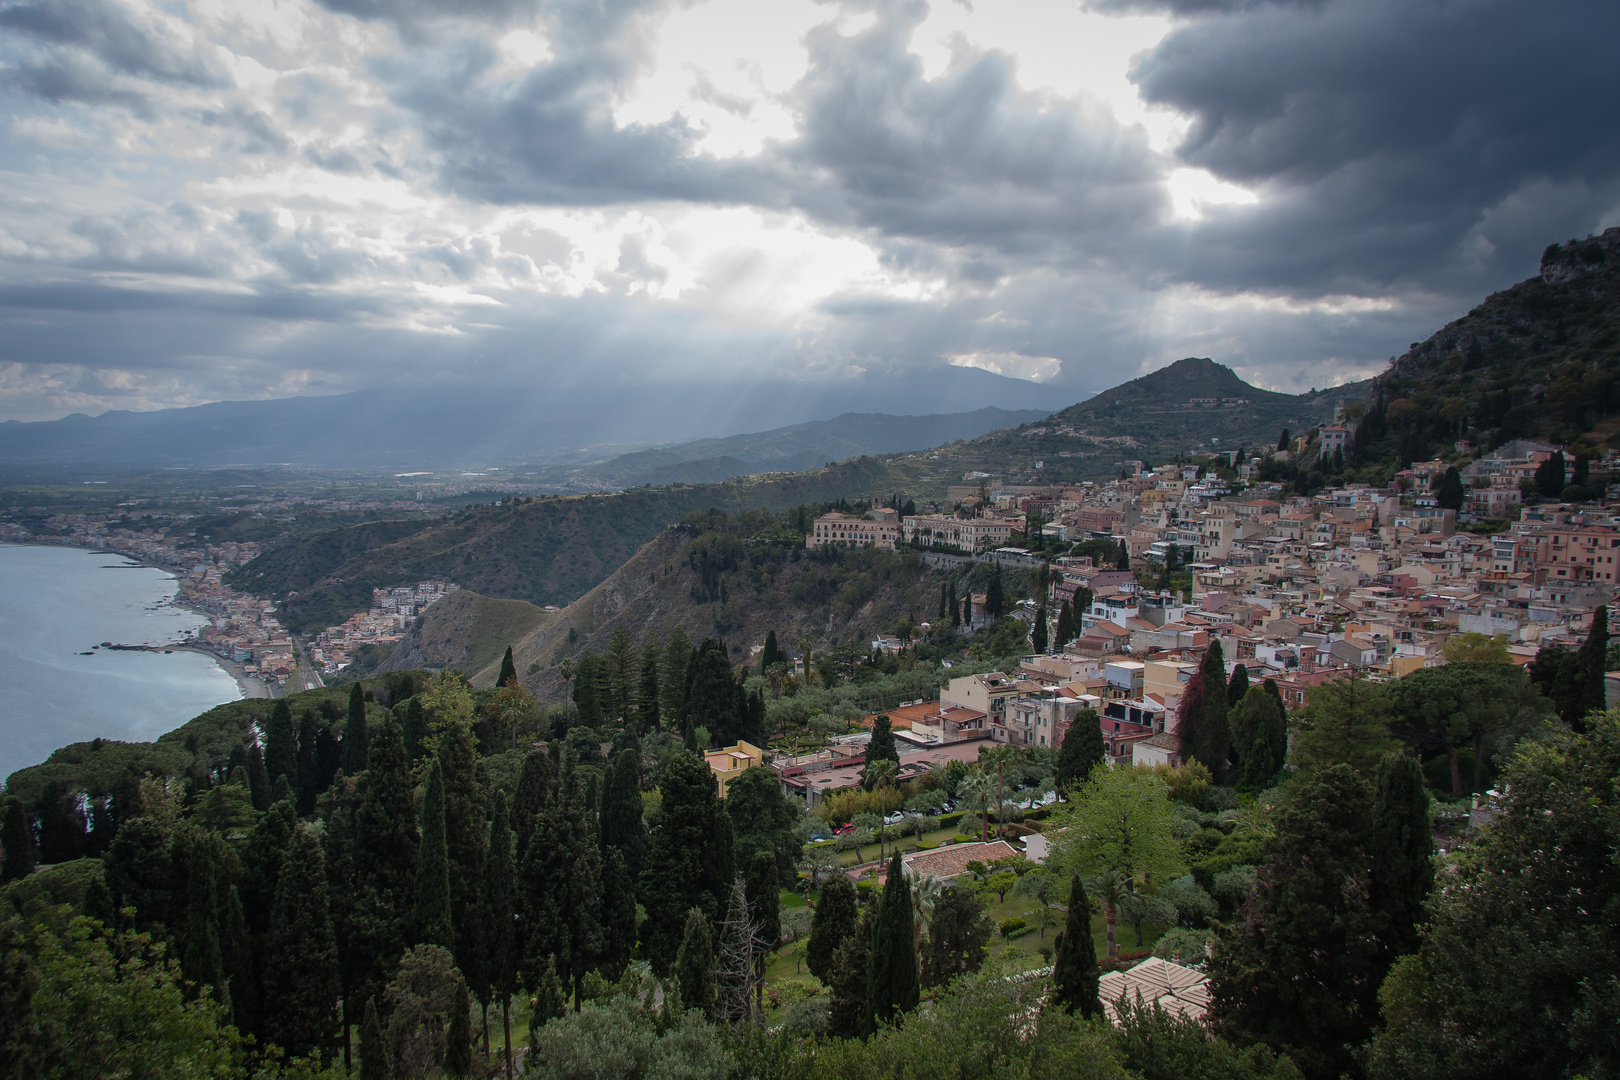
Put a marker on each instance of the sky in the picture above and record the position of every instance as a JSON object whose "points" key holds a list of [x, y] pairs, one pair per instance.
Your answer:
{"points": [[236, 199]]}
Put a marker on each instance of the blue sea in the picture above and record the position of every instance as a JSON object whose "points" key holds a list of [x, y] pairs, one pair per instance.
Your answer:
{"points": [[57, 604]]}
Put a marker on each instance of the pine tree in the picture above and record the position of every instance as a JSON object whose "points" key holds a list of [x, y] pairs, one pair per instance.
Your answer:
{"points": [[550, 999], [689, 858], [622, 826], [258, 779], [301, 968], [508, 669], [620, 668], [1083, 749], [1237, 686], [712, 694], [430, 916], [768, 655], [374, 1063], [694, 964], [384, 857], [649, 710], [1075, 976], [281, 745], [17, 841], [458, 1050], [1037, 638], [882, 745], [891, 981], [672, 684], [1259, 736], [831, 924], [588, 679], [355, 737], [1402, 847], [499, 937], [200, 955], [618, 914]]}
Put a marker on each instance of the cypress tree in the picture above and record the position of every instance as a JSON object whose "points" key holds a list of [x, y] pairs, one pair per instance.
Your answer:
{"points": [[301, 967], [1590, 665], [850, 1014], [562, 885], [618, 914], [1083, 749], [944, 605], [237, 949], [994, 601], [1075, 976], [958, 932], [1260, 737], [1122, 557], [1237, 686], [308, 782], [1065, 626], [281, 745], [764, 888], [689, 858], [1037, 637], [263, 852], [768, 655], [550, 1001], [466, 836], [458, 1048], [831, 924], [374, 1063], [200, 955], [385, 847], [499, 936], [711, 693], [622, 827], [355, 758], [414, 729], [17, 840], [956, 609], [508, 669], [967, 611], [258, 779], [891, 981], [1402, 848], [1283, 440], [882, 747], [283, 791], [694, 964], [533, 792], [430, 917], [1212, 741]]}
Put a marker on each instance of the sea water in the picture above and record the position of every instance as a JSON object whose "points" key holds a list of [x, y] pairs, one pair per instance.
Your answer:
{"points": [[56, 604]]}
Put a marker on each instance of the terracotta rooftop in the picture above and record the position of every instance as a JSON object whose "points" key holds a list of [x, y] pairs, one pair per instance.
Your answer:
{"points": [[1177, 990], [951, 861]]}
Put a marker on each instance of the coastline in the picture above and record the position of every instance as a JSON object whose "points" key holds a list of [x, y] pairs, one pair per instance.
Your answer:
{"points": [[247, 686]]}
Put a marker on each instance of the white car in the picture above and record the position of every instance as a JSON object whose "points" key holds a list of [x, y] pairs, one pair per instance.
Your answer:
{"points": [[893, 819]]}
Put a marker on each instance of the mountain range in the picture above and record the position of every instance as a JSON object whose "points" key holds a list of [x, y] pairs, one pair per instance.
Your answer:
{"points": [[564, 424]]}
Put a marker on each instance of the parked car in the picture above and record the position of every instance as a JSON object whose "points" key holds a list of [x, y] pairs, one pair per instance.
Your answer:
{"points": [[842, 829], [893, 818]]}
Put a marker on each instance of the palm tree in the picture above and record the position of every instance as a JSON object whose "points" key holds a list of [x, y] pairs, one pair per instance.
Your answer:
{"points": [[977, 790], [924, 891], [880, 774], [1112, 890]]}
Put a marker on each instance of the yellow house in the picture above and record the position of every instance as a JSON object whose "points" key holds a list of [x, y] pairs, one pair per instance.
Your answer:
{"points": [[732, 762]]}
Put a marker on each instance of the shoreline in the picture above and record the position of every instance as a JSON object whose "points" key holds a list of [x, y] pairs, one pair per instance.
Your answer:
{"points": [[250, 688]]}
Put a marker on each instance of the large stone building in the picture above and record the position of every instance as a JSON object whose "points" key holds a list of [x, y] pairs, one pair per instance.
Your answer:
{"points": [[881, 529], [969, 534]]}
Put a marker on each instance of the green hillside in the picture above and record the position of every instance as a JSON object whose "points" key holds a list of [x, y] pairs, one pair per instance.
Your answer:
{"points": [[543, 550]]}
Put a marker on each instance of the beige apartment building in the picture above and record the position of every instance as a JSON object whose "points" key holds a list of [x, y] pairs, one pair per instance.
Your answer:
{"points": [[969, 534]]}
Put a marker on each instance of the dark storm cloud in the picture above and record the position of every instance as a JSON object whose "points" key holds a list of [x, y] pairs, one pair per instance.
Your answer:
{"points": [[964, 159], [1390, 139], [410, 14]]}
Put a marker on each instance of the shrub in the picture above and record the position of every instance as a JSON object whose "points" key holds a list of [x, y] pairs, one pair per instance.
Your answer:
{"points": [[926, 845], [1010, 926]]}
